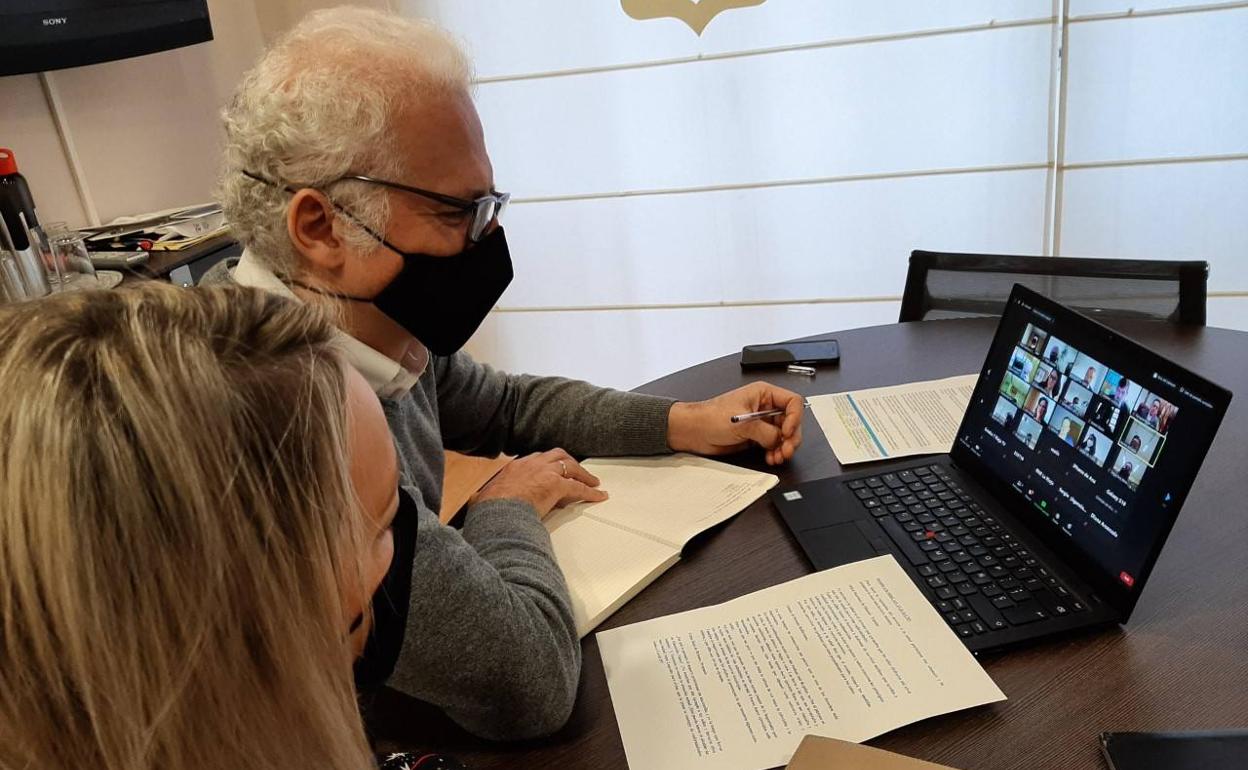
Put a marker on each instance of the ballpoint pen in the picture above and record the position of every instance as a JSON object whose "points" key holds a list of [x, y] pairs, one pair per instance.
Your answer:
{"points": [[762, 415]]}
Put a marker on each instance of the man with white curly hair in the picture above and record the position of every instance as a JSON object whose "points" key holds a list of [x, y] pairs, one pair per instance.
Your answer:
{"points": [[356, 174]]}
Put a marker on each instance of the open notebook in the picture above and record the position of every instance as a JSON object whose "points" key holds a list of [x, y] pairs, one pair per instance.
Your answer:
{"points": [[611, 550]]}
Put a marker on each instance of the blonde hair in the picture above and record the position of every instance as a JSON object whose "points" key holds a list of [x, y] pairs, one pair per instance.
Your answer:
{"points": [[321, 103], [176, 529]]}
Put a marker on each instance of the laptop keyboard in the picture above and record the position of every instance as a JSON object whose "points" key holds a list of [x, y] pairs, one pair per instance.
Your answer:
{"points": [[981, 577]]}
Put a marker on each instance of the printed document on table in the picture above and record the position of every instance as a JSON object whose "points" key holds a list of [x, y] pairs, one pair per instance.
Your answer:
{"points": [[849, 653], [898, 421]]}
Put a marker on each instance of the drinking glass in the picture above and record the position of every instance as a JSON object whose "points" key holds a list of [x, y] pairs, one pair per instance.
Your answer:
{"points": [[69, 262]]}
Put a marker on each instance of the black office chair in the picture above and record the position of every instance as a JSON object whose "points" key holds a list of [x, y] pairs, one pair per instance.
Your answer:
{"points": [[941, 285]]}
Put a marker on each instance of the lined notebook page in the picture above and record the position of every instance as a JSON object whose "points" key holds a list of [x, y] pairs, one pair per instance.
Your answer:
{"points": [[604, 566], [611, 550], [673, 497]]}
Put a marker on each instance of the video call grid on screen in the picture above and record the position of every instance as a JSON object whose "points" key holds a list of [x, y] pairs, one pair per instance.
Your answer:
{"points": [[1092, 408], [1084, 437]]}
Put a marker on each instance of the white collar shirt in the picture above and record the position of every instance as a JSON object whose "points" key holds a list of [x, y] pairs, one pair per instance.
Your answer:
{"points": [[388, 378]]}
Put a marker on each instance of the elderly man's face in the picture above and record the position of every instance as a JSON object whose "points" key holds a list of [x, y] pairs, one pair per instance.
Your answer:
{"points": [[442, 148]]}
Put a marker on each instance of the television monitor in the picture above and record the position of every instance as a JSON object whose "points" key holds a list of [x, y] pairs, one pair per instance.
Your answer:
{"points": [[40, 35]]}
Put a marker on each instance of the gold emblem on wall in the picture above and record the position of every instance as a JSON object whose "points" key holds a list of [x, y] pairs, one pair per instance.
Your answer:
{"points": [[696, 13]]}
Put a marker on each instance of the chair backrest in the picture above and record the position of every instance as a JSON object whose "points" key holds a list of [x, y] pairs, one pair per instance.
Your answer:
{"points": [[943, 285]]}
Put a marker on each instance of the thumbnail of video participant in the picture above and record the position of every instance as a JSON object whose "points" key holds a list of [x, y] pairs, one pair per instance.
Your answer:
{"points": [[1059, 355], [1049, 380], [1023, 364], [1142, 440], [1088, 372], [1155, 412], [1033, 339], [1039, 405], [1004, 411], [1015, 389], [1076, 398], [1105, 416], [1066, 425], [1128, 468], [1028, 431], [1095, 445], [1120, 390]]}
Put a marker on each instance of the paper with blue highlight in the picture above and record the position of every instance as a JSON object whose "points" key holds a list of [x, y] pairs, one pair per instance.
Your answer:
{"points": [[916, 418]]}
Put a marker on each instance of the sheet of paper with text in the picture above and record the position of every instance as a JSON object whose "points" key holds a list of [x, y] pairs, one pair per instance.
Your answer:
{"points": [[898, 421], [847, 653]]}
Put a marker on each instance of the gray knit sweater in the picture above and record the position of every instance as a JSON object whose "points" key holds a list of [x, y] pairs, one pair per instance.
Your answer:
{"points": [[490, 636]]}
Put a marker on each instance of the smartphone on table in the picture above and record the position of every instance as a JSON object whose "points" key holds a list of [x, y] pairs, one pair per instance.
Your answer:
{"points": [[812, 353]]}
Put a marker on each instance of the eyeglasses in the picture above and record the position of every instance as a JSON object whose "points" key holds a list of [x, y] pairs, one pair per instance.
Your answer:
{"points": [[484, 210]]}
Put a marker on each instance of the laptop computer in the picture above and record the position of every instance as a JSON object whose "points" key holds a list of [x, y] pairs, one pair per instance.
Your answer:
{"points": [[1072, 461]]}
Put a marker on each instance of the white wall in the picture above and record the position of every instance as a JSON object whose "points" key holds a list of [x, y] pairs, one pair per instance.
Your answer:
{"points": [[146, 130], [27, 128], [1154, 89], [681, 195]]}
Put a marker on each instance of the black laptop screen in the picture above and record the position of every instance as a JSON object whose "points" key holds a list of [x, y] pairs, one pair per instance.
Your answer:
{"points": [[1099, 439]]}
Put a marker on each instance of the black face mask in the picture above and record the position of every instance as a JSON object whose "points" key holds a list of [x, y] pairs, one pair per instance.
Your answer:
{"points": [[442, 301], [390, 602]]}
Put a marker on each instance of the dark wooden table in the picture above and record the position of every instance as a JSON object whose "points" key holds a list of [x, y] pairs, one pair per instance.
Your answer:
{"points": [[161, 263], [1181, 662]]}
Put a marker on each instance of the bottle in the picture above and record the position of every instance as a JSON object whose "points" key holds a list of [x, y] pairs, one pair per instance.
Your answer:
{"points": [[12, 287], [15, 200]]}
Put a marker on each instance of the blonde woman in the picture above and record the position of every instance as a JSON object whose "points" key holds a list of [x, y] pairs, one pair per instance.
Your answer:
{"points": [[196, 498]]}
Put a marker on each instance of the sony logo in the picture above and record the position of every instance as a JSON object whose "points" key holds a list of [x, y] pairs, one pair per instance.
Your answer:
{"points": [[55, 21]]}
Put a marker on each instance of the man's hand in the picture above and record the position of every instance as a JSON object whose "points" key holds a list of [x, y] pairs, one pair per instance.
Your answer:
{"points": [[547, 480], [706, 428]]}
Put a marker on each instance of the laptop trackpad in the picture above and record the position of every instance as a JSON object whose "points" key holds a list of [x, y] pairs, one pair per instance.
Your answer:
{"points": [[836, 545]]}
